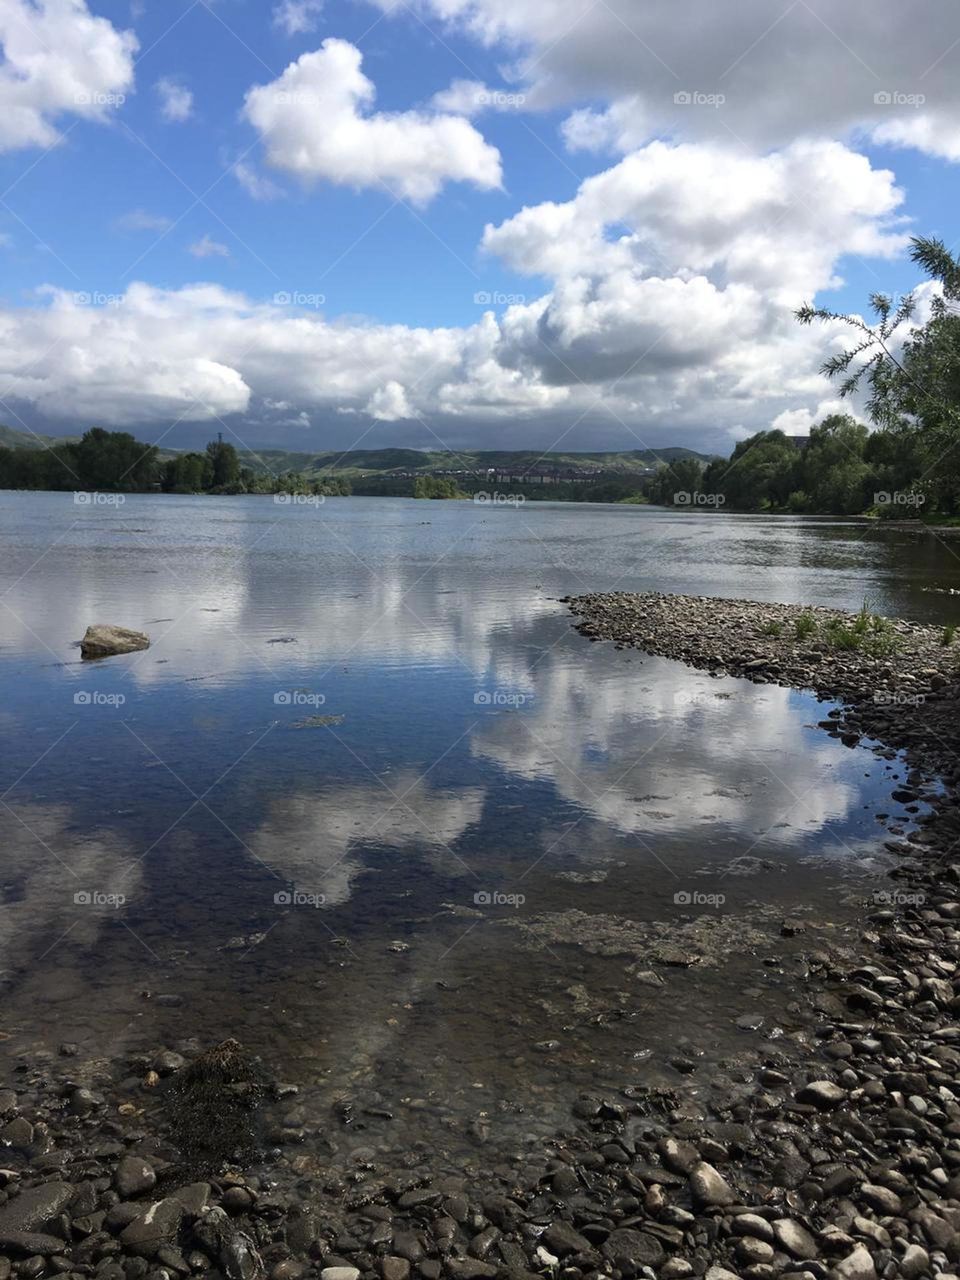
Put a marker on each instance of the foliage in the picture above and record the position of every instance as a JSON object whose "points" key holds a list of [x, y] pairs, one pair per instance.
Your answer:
{"points": [[912, 382], [805, 626], [116, 462], [435, 487]]}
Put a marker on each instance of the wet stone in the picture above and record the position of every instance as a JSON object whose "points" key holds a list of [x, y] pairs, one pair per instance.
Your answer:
{"points": [[134, 1175], [708, 1187], [637, 1246]]}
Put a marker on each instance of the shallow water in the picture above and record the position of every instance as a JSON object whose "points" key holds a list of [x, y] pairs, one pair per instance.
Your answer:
{"points": [[366, 763]]}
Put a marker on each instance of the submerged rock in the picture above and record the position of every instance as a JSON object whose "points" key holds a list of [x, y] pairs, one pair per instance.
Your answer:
{"points": [[103, 640]]}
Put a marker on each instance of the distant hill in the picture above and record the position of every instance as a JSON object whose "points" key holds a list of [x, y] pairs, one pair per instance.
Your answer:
{"points": [[355, 463], [11, 438], [386, 462]]}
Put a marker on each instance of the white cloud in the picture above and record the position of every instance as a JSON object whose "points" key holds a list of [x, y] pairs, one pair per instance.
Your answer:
{"points": [[142, 220], [797, 422], [206, 247], [810, 69], [255, 183], [471, 97], [58, 59], [176, 100], [674, 278], [389, 404], [294, 17], [312, 124]]}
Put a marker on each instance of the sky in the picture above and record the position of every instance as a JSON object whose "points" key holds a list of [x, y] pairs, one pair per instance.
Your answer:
{"points": [[550, 224]]}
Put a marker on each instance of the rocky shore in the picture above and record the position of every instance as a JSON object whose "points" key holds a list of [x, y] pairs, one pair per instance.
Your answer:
{"points": [[845, 1165]]}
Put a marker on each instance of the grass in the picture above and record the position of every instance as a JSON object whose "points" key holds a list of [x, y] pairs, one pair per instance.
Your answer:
{"points": [[946, 635], [868, 631], [772, 629], [805, 626]]}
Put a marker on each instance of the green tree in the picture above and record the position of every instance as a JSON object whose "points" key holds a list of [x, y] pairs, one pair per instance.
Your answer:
{"points": [[435, 487], [187, 473], [831, 468], [224, 464], [759, 474], [675, 483], [114, 460], [913, 391]]}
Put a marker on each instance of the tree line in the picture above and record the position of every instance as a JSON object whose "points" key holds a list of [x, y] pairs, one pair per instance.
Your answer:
{"points": [[116, 462], [908, 465]]}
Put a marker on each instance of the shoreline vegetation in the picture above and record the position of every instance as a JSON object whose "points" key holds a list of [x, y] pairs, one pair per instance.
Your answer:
{"points": [[116, 462], [832, 1151]]}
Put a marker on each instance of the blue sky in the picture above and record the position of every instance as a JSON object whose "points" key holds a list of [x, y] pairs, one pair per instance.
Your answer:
{"points": [[392, 261]]}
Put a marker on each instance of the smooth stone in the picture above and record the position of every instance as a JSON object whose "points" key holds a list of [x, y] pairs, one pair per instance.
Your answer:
{"points": [[794, 1239], [561, 1238], [751, 1224], [823, 1094], [915, 1262], [31, 1242], [157, 1226], [880, 1198], [392, 1268], [708, 1187], [35, 1207], [133, 1176], [855, 1266], [103, 640], [642, 1249]]}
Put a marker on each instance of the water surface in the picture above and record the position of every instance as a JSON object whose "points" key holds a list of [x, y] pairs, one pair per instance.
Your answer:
{"points": [[340, 806]]}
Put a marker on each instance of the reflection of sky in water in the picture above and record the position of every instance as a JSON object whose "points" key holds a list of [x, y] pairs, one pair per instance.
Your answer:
{"points": [[199, 799]]}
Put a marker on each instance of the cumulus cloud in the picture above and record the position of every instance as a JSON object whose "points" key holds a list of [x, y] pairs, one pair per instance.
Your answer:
{"points": [[674, 275], [294, 17], [255, 183], [207, 247], [471, 97], [142, 220], [810, 69], [389, 404], [176, 100], [315, 122], [58, 60]]}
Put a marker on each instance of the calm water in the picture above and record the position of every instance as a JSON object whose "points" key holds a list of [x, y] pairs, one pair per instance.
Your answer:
{"points": [[339, 807]]}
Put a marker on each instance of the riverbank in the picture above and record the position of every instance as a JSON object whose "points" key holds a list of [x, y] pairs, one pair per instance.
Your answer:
{"points": [[834, 1152]]}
